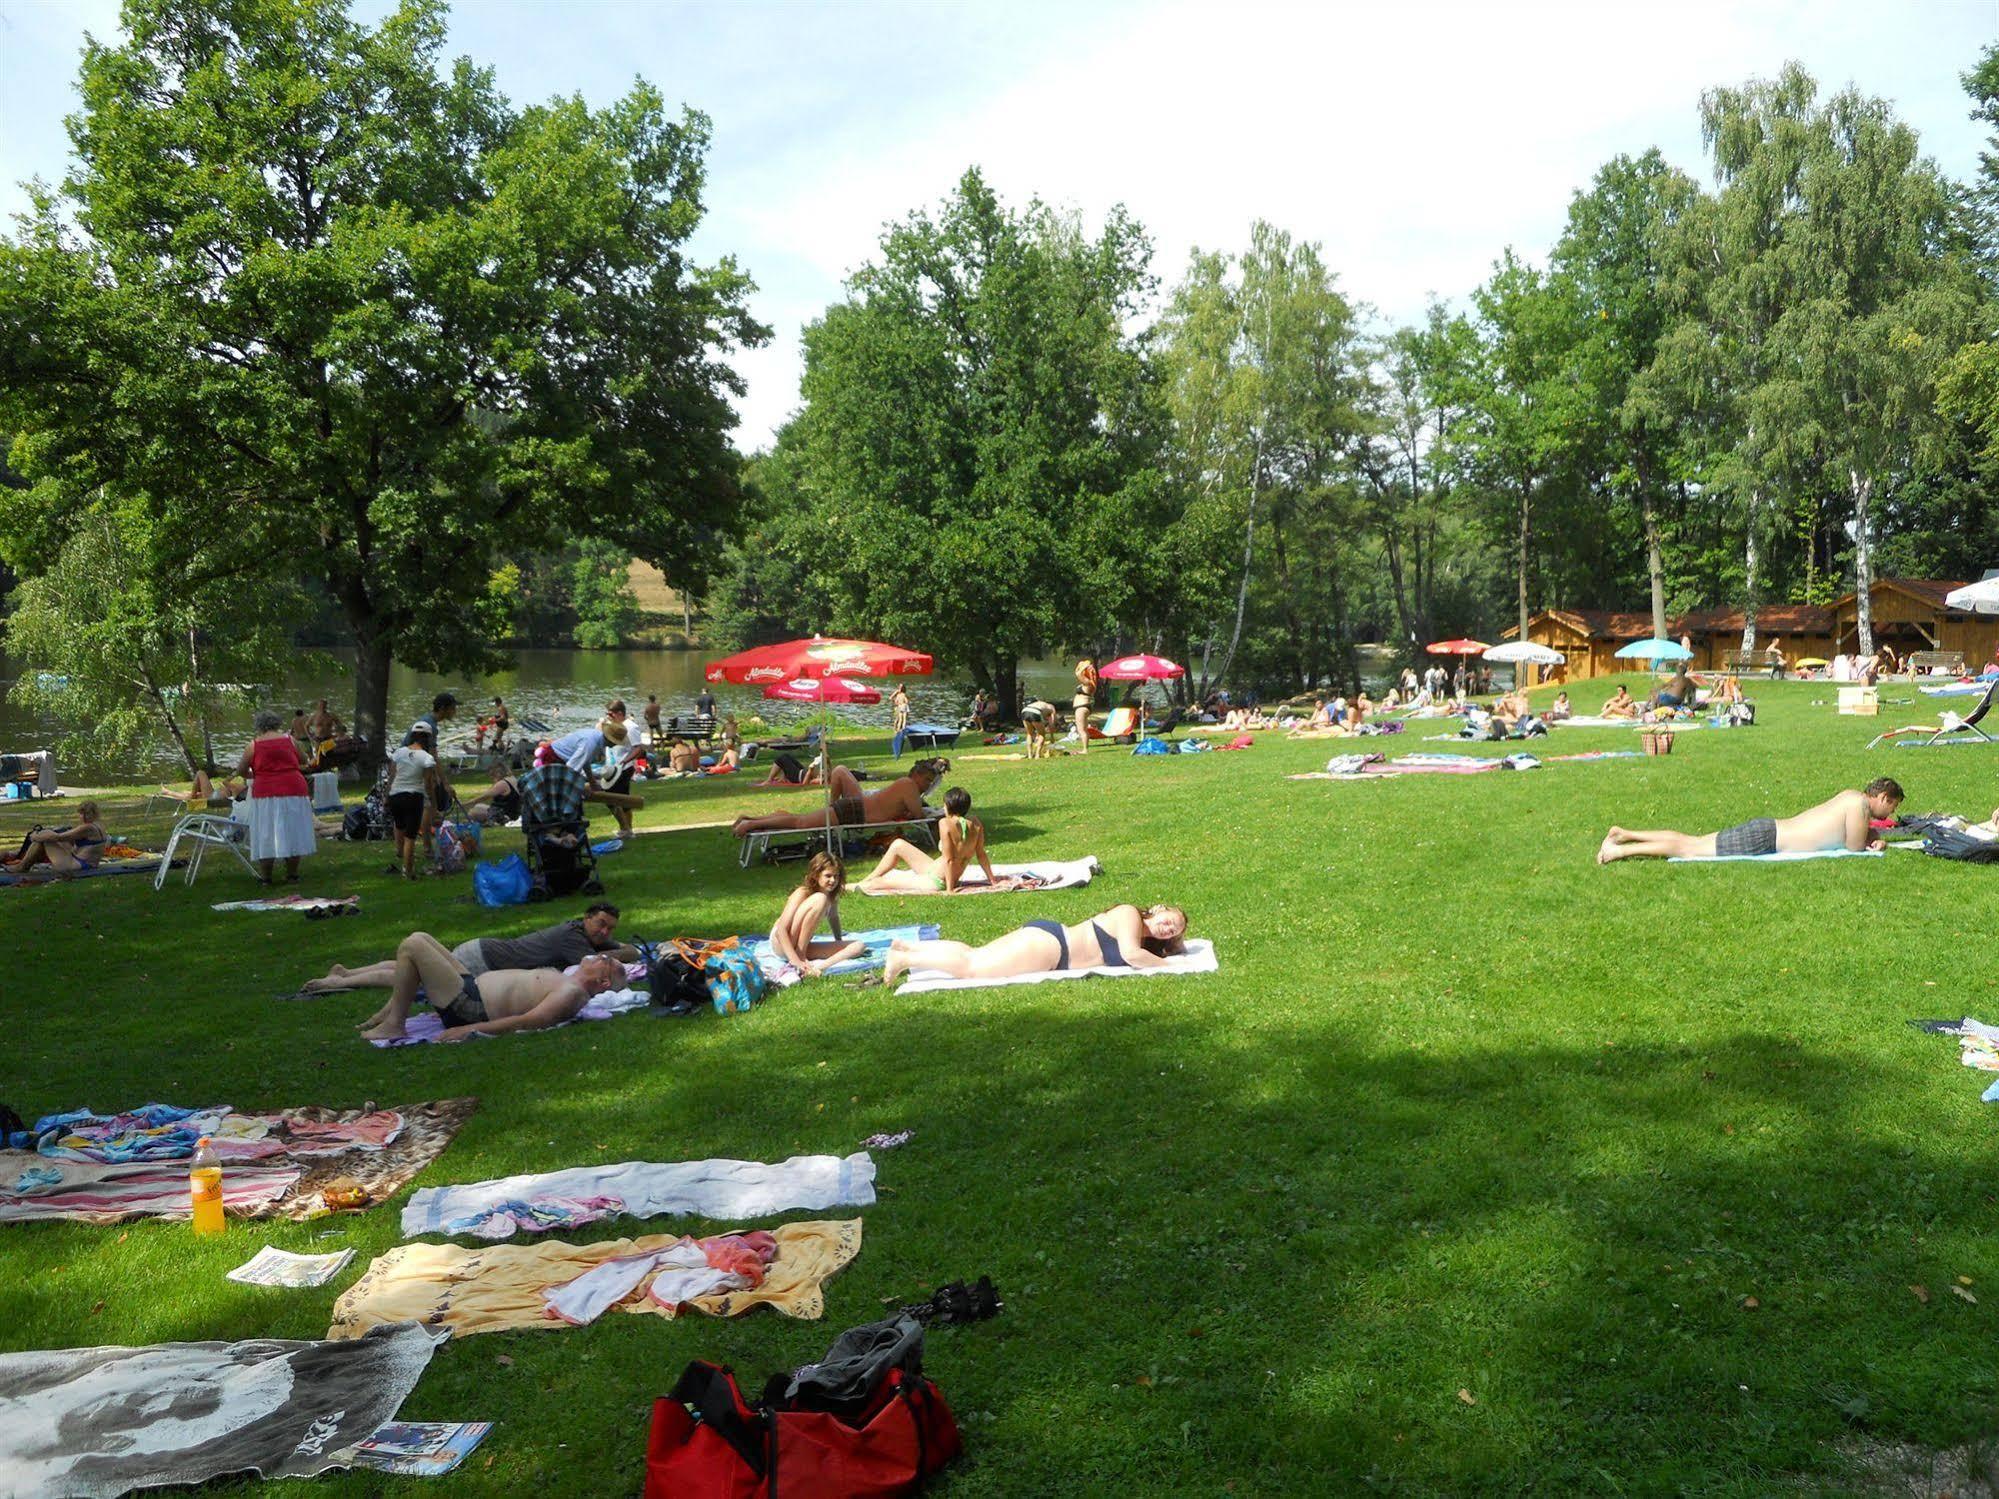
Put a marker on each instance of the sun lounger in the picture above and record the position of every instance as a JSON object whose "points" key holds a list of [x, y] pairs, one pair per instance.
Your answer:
{"points": [[206, 830], [775, 843]]}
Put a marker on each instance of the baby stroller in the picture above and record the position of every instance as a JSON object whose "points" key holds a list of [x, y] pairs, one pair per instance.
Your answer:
{"points": [[556, 828]]}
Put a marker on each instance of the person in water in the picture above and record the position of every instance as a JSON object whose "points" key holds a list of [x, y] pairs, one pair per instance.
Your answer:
{"points": [[1842, 821], [906, 869], [1122, 937], [815, 903]]}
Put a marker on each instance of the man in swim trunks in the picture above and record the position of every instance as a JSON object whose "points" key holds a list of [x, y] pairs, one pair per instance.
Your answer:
{"points": [[491, 1004], [961, 838], [1842, 821], [900, 800], [563, 945]]}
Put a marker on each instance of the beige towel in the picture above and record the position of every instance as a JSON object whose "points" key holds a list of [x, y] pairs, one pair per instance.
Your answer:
{"points": [[498, 1287]]}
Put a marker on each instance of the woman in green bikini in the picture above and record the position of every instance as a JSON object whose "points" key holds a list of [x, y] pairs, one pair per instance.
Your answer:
{"points": [[961, 838]]}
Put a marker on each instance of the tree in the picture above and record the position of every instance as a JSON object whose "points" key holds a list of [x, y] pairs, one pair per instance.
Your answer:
{"points": [[308, 289], [115, 648], [1613, 251], [976, 424]]}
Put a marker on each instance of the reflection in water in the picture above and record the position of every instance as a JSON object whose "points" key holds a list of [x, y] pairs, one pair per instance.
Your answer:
{"points": [[565, 689]]}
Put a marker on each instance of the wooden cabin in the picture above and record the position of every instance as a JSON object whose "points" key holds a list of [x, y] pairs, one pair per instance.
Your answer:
{"points": [[1909, 614]]}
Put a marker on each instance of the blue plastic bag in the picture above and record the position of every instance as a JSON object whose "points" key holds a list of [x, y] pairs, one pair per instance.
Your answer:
{"points": [[1152, 746], [503, 882]]}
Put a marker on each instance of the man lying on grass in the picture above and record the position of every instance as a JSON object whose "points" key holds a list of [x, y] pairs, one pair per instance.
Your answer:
{"points": [[493, 1003], [1843, 821], [560, 946]]}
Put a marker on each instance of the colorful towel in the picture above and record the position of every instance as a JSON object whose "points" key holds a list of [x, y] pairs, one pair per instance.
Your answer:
{"points": [[41, 875], [296, 1164], [1198, 958], [106, 1421], [506, 1287], [777, 971], [1790, 856], [717, 1189], [1054, 874]]}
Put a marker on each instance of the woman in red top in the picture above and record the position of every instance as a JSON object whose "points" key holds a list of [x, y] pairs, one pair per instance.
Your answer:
{"points": [[280, 801]]}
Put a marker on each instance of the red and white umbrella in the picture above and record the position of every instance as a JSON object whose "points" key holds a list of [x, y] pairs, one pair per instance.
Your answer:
{"points": [[1142, 669], [818, 657], [822, 690]]}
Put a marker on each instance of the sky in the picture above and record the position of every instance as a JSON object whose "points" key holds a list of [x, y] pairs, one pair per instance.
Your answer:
{"points": [[1414, 141]]}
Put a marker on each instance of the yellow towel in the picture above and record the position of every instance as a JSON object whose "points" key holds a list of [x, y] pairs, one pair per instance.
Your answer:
{"points": [[499, 1287]]}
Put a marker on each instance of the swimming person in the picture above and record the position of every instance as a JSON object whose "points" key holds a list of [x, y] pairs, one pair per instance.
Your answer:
{"points": [[1122, 937], [815, 903], [906, 869], [1842, 821]]}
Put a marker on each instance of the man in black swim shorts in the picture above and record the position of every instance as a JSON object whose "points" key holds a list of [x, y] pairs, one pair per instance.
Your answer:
{"points": [[1844, 821]]}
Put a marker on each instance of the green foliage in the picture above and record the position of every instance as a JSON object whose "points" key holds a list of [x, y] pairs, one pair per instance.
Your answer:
{"points": [[606, 613], [120, 649], [351, 306]]}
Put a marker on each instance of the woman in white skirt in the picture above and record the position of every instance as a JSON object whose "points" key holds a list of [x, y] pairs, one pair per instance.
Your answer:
{"points": [[280, 800]]}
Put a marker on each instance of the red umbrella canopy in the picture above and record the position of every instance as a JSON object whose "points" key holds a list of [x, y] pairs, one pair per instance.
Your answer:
{"points": [[822, 690], [818, 657], [1141, 669], [1457, 647]]}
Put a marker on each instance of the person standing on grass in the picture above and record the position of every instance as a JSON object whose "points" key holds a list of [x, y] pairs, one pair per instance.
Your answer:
{"points": [[1086, 693], [413, 773], [280, 801], [704, 703], [1842, 821]]}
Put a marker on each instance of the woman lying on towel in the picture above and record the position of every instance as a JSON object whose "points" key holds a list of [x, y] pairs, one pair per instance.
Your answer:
{"points": [[1122, 937], [64, 850]]}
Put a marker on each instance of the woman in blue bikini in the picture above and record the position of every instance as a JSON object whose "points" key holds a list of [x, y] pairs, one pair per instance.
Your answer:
{"points": [[1122, 937]]}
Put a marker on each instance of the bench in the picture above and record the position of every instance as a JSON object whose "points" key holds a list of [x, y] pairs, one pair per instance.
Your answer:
{"points": [[698, 727], [1742, 663], [782, 843], [1935, 663]]}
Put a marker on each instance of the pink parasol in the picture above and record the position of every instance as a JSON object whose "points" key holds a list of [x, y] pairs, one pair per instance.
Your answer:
{"points": [[1142, 669], [818, 657], [1457, 647]]}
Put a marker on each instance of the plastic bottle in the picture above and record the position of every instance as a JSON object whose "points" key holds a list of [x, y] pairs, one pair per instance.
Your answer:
{"points": [[204, 1184]]}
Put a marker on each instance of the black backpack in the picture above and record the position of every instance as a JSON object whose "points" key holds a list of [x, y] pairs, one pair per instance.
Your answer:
{"points": [[1955, 843]]}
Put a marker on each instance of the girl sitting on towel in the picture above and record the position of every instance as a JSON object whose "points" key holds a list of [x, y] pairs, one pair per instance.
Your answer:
{"points": [[815, 902], [1122, 937]]}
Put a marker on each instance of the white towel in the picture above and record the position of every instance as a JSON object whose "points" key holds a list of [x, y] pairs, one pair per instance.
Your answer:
{"points": [[1198, 958], [1054, 874], [1789, 856], [723, 1189]]}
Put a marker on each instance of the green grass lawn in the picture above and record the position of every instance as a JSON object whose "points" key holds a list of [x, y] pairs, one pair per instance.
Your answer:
{"points": [[1477, 1168]]}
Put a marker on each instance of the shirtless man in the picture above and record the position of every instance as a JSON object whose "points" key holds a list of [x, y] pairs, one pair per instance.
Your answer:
{"points": [[492, 1004], [961, 840], [1843, 821], [899, 801], [323, 723]]}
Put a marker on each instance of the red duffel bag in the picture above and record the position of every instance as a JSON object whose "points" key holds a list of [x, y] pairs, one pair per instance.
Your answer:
{"points": [[729, 1449]]}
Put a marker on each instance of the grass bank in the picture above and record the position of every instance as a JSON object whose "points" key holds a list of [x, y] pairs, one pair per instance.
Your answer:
{"points": [[1478, 1168]]}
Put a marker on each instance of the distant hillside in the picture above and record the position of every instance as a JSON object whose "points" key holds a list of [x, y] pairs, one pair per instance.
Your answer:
{"points": [[664, 611]]}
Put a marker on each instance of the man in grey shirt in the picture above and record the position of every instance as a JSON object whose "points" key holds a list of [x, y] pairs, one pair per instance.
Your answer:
{"points": [[561, 946]]}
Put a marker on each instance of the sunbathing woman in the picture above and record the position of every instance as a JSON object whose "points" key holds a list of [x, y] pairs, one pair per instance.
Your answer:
{"points": [[961, 838], [1622, 705], [67, 850], [1122, 937], [1559, 709], [498, 804], [815, 902]]}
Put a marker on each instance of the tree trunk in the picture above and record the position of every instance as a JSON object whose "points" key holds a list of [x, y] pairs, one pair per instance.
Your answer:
{"points": [[1750, 582], [159, 697], [1863, 561], [1655, 564], [194, 684], [1526, 523], [372, 659], [1006, 687], [1242, 592]]}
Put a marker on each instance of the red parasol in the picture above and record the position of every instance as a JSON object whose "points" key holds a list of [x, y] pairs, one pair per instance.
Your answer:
{"points": [[1457, 648], [1142, 669], [818, 657], [822, 690]]}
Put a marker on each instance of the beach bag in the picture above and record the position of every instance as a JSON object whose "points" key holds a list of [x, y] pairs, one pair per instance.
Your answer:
{"points": [[354, 824], [1955, 843], [735, 982], [450, 850], [899, 1434], [1521, 760], [1151, 746], [503, 882]]}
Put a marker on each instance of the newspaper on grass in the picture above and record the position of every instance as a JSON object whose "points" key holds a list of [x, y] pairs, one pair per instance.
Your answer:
{"points": [[280, 1267]]}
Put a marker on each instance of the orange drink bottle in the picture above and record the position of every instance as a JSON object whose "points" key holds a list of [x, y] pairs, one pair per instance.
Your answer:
{"points": [[204, 1182]]}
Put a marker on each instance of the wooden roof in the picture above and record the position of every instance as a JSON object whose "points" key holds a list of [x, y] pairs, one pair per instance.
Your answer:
{"points": [[1929, 591], [1631, 624]]}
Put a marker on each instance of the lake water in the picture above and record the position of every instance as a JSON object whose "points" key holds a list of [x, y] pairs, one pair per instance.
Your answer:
{"points": [[565, 689]]}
